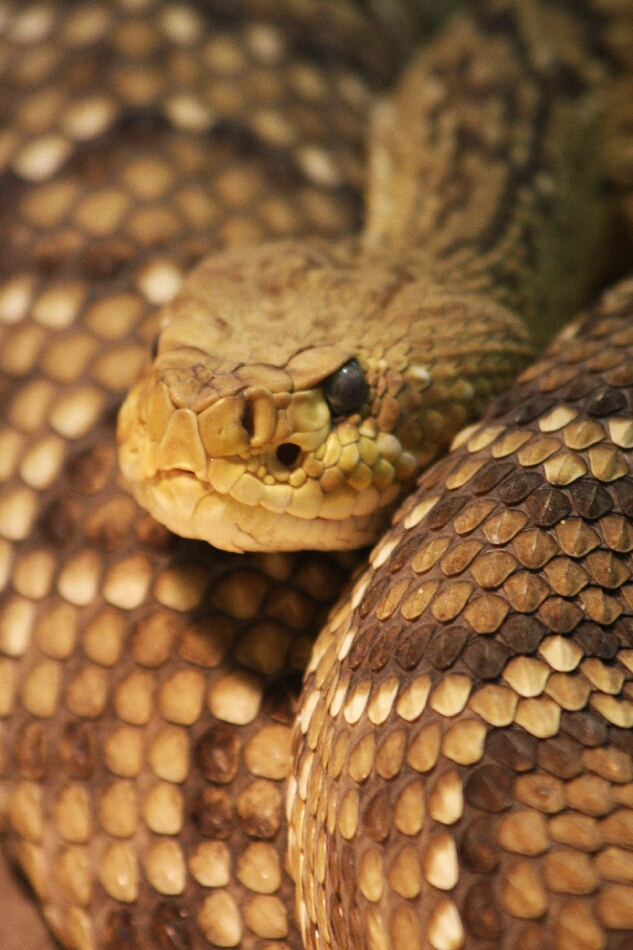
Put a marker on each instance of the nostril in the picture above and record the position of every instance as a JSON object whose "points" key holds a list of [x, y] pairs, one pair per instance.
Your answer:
{"points": [[288, 453]]}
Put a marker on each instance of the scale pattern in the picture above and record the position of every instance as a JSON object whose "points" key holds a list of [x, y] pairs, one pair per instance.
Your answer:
{"points": [[464, 746], [148, 684]]}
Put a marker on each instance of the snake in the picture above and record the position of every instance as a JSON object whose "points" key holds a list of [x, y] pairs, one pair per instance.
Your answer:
{"points": [[457, 769]]}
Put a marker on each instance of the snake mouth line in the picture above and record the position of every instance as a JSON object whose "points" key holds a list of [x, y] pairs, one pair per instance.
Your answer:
{"points": [[237, 519], [178, 473]]}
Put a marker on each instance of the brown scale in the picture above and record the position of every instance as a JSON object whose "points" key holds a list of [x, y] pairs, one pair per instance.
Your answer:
{"points": [[464, 750], [147, 685]]}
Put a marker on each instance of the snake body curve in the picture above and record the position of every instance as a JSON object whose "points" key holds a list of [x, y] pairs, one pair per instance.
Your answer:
{"points": [[148, 684]]}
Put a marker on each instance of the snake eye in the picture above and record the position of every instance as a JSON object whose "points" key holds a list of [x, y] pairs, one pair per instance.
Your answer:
{"points": [[346, 389]]}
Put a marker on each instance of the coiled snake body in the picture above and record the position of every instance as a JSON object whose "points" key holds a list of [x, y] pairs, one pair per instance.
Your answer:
{"points": [[460, 772]]}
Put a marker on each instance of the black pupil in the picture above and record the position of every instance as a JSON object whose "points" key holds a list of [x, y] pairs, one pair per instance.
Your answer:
{"points": [[346, 389], [154, 349]]}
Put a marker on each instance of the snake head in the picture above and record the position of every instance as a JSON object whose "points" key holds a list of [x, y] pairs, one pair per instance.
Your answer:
{"points": [[257, 425], [296, 391]]}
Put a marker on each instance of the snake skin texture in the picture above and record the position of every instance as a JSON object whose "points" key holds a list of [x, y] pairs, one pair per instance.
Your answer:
{"points": [[180, 133], [149, 684], [465, 741]]}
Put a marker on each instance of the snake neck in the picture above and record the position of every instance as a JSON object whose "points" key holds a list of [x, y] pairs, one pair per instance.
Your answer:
{"points": [[487, 165]]}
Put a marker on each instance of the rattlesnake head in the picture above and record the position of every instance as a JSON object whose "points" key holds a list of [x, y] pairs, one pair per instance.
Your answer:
{"points": [[299, 388]]}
